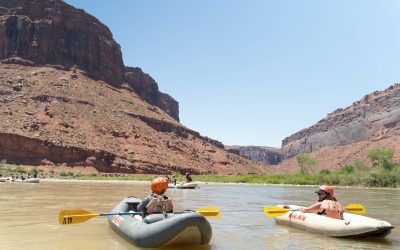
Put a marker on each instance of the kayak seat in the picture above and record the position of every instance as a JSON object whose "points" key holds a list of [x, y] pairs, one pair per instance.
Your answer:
{"points": [[133, 206], [132, 202], [151, 218]]}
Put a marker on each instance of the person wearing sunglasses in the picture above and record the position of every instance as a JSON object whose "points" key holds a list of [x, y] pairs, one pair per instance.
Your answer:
{"points": [[327, 204]]}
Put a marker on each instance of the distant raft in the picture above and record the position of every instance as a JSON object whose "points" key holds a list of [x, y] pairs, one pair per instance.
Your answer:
{"points": [[5, 179], [156, 230], [184, 185], [353, 225], [30, 180]]}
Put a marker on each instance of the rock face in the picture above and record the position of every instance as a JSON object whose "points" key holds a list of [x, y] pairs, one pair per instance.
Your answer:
{"points": [[334, 157], [147, 88], [38, 152], [344, 136], [271, 156], [373, 118], [64, 118], [51, 32], [67, 100]]}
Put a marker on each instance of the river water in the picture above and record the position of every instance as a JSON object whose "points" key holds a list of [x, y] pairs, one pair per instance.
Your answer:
{"points": [[29, 215]]}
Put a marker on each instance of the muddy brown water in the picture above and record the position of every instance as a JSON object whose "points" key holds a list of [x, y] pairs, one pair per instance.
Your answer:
{"points": [[29, 215]]}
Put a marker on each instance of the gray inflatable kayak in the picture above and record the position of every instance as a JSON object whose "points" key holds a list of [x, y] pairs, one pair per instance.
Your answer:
{"points": [[156, 230]]}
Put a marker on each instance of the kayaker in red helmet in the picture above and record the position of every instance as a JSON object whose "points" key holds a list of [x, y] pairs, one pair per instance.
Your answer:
{"points": [[327, 204], [157, 201]]}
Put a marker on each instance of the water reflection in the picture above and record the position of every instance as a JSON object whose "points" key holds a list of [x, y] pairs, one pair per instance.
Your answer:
{"points": [[29, 213]]}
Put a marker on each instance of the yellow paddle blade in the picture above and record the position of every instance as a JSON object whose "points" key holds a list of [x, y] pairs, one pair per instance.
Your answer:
{"points": [[356, 208], [273, 211], [209, 212], [75, 216]]}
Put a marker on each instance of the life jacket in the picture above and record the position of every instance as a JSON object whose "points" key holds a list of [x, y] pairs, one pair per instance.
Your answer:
{"points": [[332, 209], [159, 205]]}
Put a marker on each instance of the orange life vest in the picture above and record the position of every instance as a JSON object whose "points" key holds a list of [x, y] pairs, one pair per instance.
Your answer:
{"points": [[332, 209]]}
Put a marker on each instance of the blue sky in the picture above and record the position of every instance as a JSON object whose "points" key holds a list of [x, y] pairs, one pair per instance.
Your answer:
{"points": [[254, 72]]}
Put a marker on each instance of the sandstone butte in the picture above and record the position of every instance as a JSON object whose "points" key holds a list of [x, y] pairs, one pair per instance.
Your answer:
{"points": [[343, 136], [67, 101]]}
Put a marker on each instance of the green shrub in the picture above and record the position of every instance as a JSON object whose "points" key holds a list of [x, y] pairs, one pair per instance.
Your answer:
{"points": [[382, 157], [20, 170], [324, 171], [346, 169], [66, 174], [306, 163], [360, 165]]}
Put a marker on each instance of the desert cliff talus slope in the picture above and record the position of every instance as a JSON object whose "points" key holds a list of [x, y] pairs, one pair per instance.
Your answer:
{"points": [[375, 117], [346, 135], [51, 32], [266, 155], [52, 116], [67, 99], [334, 157]]}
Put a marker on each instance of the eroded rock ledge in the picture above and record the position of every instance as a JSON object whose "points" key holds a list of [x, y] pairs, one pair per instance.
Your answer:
{"points": [[164, 126], [374, 117], [54, 34]]}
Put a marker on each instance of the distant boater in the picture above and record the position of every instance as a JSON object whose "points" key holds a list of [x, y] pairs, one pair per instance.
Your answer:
{"points": [[173, 180], [188, 177]]}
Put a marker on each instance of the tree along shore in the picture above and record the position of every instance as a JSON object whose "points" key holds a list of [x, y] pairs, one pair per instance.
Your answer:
{"points": [[383, 173]]}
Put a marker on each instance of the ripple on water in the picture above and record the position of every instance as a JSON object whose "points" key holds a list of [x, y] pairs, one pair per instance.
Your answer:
{"points": [[29, 215]]}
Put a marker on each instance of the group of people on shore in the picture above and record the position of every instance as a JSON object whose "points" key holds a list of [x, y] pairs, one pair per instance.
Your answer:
{"points": [[20, 177]]}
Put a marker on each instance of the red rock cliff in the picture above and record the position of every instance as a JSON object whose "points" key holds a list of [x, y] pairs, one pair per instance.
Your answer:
{"points": [[374, 117], [86, 116], [147, 88], [59, 117], [53, 32]]}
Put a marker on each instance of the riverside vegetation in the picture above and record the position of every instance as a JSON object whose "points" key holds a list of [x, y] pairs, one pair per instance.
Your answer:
{"points": [[383, 173]]}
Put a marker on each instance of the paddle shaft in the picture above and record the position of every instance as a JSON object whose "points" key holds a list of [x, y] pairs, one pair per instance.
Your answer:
{"points": [[273, 211], [80, 215], [128, 213], [121, 213]]}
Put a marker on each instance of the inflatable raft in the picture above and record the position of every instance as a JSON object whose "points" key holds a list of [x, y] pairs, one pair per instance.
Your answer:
{"points": [[30, 180], [353, 225], [157, 230], [5, 179], [184, 185]]}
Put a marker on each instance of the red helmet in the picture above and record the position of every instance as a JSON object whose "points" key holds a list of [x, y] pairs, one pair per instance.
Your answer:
{"points": [[159, 185], [327, 189]]}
